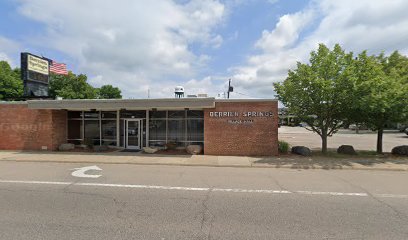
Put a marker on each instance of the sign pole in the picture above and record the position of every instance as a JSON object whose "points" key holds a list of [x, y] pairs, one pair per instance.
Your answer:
{"points": [[229, 87]]}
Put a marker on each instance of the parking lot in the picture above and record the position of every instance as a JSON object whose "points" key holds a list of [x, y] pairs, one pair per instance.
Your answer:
{"points": [[365, 140]]}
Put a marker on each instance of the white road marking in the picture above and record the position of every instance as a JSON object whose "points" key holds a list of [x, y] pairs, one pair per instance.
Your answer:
{"points": [[81, 172], [233, 190], [332, 193]]}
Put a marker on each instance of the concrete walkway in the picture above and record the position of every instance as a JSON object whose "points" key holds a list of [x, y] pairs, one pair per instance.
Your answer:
{"points": [[287, 161]]}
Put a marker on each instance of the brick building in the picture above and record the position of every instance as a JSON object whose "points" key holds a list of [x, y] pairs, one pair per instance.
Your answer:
{"points": [[223, 127]]}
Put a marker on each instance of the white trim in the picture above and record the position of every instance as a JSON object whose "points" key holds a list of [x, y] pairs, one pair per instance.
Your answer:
{"points": [[117, 128], [100, 128], [147, 128]]}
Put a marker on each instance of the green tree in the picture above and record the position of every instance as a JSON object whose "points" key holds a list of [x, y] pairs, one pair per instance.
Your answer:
{"points": [[380, 92], [71, 86], [11, 86], [318, 93], [109, 92]]}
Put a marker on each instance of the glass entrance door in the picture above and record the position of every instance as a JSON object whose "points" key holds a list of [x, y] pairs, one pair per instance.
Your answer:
{"points": [[133, 134]]}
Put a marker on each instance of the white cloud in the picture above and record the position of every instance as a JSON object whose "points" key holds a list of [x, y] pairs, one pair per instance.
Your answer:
{"points": [[133, 44], [286, 32], [139, 45], [8, 48], [357, 25]]}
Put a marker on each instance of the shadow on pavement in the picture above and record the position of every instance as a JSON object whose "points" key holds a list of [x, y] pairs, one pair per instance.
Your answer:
{"points": [[327, 162]]}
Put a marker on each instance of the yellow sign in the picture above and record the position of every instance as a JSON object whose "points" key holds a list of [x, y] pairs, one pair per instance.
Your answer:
{"points": [[36, 64]]}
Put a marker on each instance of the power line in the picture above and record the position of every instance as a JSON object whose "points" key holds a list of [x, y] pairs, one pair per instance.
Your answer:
{"points": [[243, 94]]}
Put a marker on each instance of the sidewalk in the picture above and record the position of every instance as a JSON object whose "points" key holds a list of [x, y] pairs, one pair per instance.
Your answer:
{"points": [[288, 161]]}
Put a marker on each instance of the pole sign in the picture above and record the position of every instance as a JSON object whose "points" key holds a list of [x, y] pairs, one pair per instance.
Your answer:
{"points": [[35, 72]]}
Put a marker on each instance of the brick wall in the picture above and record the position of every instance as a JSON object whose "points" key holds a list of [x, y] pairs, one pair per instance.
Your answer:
{"points": [[22, 128], [241, 135]]}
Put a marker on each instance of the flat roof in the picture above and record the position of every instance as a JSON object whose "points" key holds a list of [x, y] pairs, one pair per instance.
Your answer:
{"points": [[133, 104]]}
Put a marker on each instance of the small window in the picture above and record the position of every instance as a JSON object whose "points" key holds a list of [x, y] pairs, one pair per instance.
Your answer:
{"points": [[108, 114], [176, 114], [133, 114], [74, 114], [157, 114], [91, 115], [195, 114]]}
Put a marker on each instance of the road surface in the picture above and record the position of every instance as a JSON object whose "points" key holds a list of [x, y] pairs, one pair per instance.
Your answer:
{"points": [[45, 201]]}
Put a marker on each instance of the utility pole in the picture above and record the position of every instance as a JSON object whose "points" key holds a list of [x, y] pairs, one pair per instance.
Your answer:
{"points": [[230, 89]]}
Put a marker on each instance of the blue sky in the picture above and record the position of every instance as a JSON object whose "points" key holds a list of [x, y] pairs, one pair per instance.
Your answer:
{"points": [[139, 45]]}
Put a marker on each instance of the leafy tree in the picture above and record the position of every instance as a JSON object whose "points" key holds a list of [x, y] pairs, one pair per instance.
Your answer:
{"points": [[71, 86], [381, 92], [318, 93], [109, 92], [11, 86]]}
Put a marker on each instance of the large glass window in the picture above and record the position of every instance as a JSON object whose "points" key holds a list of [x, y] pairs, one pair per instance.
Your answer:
{"points": [[93, 127], [176, 132], [182, 127], [157, 130], [92, 136], [109, 132], [195, 130], [75, 129]]}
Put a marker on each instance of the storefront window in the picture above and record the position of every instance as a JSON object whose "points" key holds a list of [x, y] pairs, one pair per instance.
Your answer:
{"points": [[109, 132], [157, 133], [183, 127], [92, 136], [75, 131], [176, 132], [195, 130]]}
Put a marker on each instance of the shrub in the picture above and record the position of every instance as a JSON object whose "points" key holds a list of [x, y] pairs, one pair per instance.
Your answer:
{"points": [[283, 146]]}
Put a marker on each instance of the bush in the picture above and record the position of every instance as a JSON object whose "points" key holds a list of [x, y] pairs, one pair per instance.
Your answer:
{"points": [[283, 146]]}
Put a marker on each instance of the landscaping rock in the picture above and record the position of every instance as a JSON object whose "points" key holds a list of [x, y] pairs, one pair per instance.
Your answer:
{"points": [[66, 147], [150, 150], [400, 150], [301, 150], [346, 149], [194, 149], [102, 148]]}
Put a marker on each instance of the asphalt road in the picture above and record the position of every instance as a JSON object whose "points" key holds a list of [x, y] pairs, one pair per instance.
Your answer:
{"points": [[44, 201]]}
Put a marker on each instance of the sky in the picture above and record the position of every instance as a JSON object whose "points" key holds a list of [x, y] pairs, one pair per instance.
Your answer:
{"points": [[144, 46]]}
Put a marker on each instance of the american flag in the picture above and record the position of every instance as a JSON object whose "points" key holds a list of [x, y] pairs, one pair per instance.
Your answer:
{"points": [[58, 68]]}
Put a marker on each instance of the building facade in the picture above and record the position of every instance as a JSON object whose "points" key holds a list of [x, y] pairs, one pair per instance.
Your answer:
{"points": [[245, 127]]}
